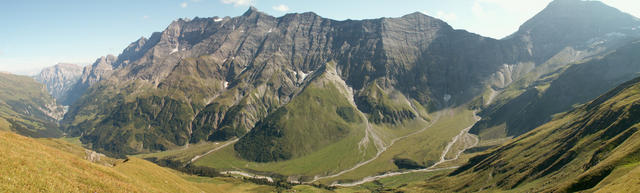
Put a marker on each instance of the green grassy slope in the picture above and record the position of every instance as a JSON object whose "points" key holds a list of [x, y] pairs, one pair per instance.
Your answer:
{"points": [[381, 107], [424, 147], [321, 132], [318, 132], [594, 146], [53, 165], [26, 107], [312, 120]]}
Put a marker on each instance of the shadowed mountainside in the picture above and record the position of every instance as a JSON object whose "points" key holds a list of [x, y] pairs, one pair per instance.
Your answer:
{"points": [[592, 146]]}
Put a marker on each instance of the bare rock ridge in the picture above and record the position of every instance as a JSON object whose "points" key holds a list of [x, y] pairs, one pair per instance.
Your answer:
{"points": [[59, 79], [91, 74], [573, 23], [567, 39], [255, 63], [215, 78]]}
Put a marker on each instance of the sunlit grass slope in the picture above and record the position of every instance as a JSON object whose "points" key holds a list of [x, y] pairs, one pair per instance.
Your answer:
{"points": [[26, 107], [595, 147], [53, 165]]}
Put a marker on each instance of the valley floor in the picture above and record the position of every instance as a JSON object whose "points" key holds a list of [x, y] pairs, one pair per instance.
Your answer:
{"points": [[445, 140]]}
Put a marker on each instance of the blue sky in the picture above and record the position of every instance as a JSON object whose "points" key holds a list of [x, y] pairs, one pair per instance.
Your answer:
{"points": [[40, 33]]}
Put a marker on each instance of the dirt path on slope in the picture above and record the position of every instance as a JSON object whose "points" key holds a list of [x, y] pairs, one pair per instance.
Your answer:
{"points": [[492, 96], [380, 151], [212, 150], [460, 137], [248, 175], [464, 133]]}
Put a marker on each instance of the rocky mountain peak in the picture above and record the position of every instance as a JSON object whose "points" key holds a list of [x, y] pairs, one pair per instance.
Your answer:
{"points": [[231, 73], [138, 43], [252, 10], [571, 23], [574, 3], [105, 61], [102, 67], [289, 16], [59, 78], [415, 14], [567, 14]]}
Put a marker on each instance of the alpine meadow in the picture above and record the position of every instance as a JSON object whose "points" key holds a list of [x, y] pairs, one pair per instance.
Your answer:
{"points": [[301, 102]]}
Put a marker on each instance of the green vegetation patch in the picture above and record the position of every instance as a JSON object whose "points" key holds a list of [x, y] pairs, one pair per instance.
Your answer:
{"points": [[319, 116], [383, 108]]}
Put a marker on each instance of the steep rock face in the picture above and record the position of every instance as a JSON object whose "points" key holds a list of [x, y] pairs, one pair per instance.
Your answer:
{"points": [[559, 91], [232, 72], [588, 147], [59, 79], [27, 108], [561, 38], [102, 67], [227, 74], [574, 23], [321, 114], [565, 32], [439, 66]]}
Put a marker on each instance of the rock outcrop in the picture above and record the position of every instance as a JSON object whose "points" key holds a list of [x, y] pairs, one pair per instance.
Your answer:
{"points": [[59, 79], [215, 78]]}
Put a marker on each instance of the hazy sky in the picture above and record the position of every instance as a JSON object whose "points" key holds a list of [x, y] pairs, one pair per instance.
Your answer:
{"points": [[40, 33]]}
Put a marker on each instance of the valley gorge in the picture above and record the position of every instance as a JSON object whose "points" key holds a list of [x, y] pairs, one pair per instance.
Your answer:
{"points": [[306, 103]]}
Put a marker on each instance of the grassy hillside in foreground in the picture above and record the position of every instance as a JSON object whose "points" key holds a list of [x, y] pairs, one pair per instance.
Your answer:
{"points": [[595, 147], [52, 165], [26, 107]]}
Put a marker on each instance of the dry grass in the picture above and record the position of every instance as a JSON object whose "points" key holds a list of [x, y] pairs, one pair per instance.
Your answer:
{"points": [[54, 165]]}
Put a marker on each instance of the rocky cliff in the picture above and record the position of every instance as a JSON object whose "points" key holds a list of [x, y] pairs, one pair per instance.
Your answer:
{"points": [[226, 74], [578, 55], [59, 79], [216, 78]]}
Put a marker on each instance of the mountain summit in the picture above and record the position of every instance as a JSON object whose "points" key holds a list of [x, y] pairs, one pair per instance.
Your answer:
{"points": [[567, 41], [572, 23], [59, 80], [361, 83], [216, 78], [304, 103], [592, 147]]}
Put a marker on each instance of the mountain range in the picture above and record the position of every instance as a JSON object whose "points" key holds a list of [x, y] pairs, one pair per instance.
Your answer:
{"points": [[311, 100], [217, 77], [59, 79]]}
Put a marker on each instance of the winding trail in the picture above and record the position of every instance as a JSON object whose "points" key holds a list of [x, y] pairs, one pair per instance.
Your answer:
{"points": [[380, 151], [213, 150], [373, 178], [241, 173], [369, 132], [459, 137], [248, 175], [492, 96]]}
